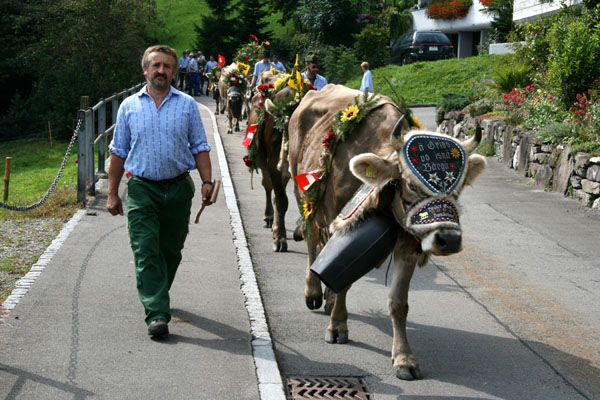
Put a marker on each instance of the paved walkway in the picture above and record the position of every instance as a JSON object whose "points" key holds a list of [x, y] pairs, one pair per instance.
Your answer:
{"points": [[74, 329]]}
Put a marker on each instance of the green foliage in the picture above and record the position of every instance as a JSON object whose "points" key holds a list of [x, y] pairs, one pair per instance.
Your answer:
{"points": [[554, 132], [214, 35], [178, 18], [341, 64], [485, 148], [502, 23], [574, 58], [451, 102], [328, 21], [78, 51], [251, 21], [510, 75], [371, 44]]}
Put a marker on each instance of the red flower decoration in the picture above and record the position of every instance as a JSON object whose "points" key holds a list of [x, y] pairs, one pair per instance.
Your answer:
{"points": [[254, 37], [327, 140], [247, 161], [413, 148], [263, 87]]}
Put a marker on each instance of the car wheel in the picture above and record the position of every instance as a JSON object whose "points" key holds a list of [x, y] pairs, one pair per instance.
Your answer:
{"points": [[405, 60]]}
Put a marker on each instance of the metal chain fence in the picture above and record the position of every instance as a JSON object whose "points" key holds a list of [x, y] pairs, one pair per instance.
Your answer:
{"points": [[53, 185]]}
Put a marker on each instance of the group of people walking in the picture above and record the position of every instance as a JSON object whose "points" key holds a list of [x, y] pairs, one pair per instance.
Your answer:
{"points": [[193, 72], [159, 137]]}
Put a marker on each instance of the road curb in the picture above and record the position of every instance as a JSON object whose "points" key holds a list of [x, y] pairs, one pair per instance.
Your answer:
{"points": [[270, 384], [23, 285]]}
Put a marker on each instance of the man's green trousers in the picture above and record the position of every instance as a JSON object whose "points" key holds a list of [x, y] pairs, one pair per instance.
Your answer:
{"points": [[158, 219]]}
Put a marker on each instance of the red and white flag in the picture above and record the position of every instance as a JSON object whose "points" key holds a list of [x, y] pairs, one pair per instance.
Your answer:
{"points": [[250, 131], [307, 179]]}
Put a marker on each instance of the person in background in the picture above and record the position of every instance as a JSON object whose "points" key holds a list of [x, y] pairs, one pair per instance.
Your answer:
{"points": [[201, 64], [278, 65], [158, 138], [312, 68], [183, 64], [260, 67], [210, 64], [367, 80], [193, 77]]}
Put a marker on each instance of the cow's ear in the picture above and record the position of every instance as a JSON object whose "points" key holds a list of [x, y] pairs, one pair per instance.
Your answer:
{"points": [[477, 164], [373, 170]]}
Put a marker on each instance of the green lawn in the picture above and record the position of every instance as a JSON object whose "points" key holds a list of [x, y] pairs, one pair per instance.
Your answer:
{"points": [[34, 166], [425, 82]]}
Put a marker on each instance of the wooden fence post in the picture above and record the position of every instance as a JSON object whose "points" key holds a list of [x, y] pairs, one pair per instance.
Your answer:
{"points": [[6, 178]]}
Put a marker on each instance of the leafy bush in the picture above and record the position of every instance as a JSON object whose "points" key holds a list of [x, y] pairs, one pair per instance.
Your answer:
{"points": [[451, 102], [448, 9], [554, 132], [509, 76], [574, 58], [341, 64]]}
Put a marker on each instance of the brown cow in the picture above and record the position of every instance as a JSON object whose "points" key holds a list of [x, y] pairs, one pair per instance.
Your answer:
{"points": [[375, 154], [268, 141]]}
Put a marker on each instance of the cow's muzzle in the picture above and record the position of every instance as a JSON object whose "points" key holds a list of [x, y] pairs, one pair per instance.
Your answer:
{"points": [[441, 243]]}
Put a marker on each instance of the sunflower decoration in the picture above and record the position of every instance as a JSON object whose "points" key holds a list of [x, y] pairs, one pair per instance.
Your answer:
{"points": [[308, 208], [349, 113], [416, 122], [347, 119]]}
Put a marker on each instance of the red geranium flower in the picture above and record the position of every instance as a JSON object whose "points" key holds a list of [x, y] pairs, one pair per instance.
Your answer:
{"points": [[247, 161]]}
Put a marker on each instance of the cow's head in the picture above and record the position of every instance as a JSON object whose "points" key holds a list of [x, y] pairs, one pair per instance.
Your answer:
{"points": [[427, 172], [235, 99]]}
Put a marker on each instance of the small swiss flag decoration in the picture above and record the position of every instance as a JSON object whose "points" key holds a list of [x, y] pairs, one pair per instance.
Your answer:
{"points": [[250, 131], [307, 179]]}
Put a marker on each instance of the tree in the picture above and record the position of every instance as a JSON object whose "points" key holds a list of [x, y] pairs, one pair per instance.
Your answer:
{"points": [[328, 21], [288, 9], [502, 22], [215, 35], [74, 49], [251, 21]]}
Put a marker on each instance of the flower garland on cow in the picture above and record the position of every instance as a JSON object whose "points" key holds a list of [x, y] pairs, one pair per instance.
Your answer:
{"points": [[342, 126], [282, 110]]}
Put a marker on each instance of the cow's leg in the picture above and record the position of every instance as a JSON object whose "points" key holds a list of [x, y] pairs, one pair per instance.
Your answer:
{"points": [[237, 124], [404, 362], [281, 206], [313, 294], [229, 120], [337, 331], [268, 186]]}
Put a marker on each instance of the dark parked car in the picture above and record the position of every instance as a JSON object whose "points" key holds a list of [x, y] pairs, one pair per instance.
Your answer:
{"points": [[421, 46]]}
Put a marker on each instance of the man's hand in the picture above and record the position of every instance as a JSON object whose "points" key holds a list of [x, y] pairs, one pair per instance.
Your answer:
{"points": [[114, 205], [206, 192]]}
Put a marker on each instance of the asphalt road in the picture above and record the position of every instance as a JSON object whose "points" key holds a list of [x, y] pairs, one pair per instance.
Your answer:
{"points": [[514, 316]]}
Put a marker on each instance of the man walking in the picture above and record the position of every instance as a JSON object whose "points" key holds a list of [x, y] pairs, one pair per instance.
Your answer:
{"points": [[260, 67], [158, 138]]}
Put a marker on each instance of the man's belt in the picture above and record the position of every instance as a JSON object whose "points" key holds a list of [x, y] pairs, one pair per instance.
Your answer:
{"points": [[166, 182]]}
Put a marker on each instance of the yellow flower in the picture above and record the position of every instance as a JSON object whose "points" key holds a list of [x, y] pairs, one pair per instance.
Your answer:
{"points": [[281, 81], [539, 91], [308, 208], [454, 152], [349, 113], [417, 123]]}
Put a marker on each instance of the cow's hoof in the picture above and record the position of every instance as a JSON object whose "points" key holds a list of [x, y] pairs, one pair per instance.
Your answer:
{"points": [[280, 246], [268, 223], [314, 303], [222, 112], [237, 128], [298, 234], [336, 337], [229, 131], [409, 373]]}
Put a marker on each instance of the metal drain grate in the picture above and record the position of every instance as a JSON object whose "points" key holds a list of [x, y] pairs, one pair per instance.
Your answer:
{"points": [[327, 387]]}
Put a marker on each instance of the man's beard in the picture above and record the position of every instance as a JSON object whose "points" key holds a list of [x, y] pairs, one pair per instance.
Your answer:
{"points": [[157, 84]]}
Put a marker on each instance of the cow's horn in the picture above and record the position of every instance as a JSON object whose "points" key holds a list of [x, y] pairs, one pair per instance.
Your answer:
{"points": [[396, 136], [471, 144], [269, 106]]}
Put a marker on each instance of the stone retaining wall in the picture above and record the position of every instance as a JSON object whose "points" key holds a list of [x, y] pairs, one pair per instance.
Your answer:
{"points": [[550, 166]]}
